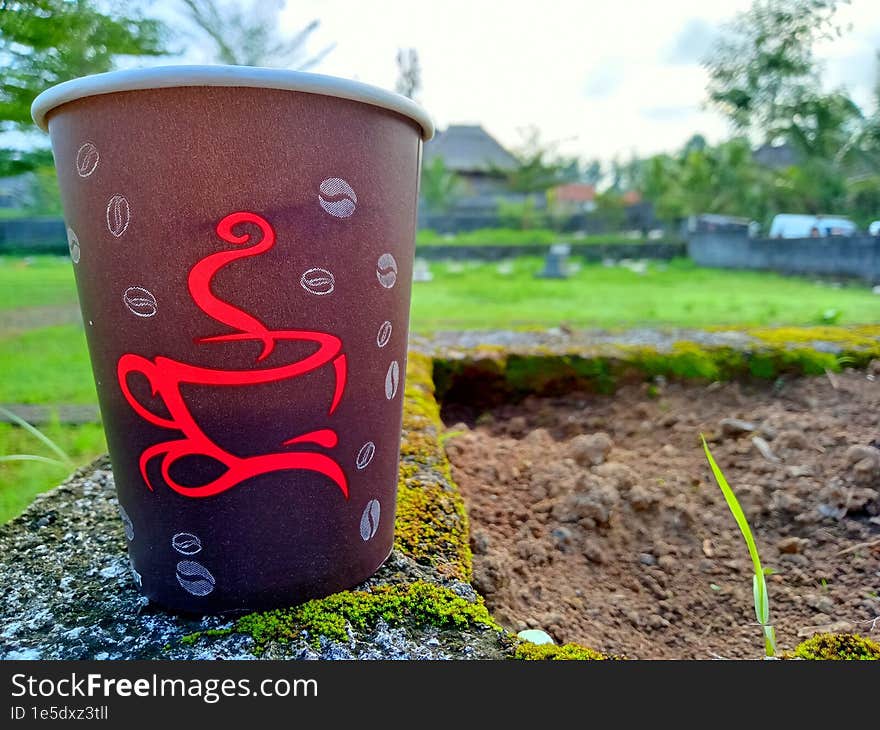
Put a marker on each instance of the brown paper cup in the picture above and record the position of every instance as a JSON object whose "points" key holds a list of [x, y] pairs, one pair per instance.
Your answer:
{"points": [[243, 245]]}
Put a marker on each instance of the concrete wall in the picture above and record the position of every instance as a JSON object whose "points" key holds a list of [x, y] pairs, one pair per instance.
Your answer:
{"points": [[586, 251], [856, 257], [33, 235]]}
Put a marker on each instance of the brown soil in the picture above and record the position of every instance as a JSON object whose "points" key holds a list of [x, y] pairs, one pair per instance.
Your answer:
{"points": [[596, 518]]}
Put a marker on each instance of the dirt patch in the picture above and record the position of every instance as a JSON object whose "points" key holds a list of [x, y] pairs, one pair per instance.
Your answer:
{"points": [[596, 518], [16, 321]]}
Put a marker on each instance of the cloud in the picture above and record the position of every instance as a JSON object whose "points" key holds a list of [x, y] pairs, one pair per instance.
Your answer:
{"points": [[692, 43], [670, 113], [605, 79]]}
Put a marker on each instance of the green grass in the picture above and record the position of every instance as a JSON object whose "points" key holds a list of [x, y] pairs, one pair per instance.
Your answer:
{"points": [[476, 296], [46, 365], [36, 281], [21, 481], [50, 365]]}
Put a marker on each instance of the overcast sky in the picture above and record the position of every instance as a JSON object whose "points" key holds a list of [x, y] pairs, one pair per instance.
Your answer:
{"points": [[604, 78]]}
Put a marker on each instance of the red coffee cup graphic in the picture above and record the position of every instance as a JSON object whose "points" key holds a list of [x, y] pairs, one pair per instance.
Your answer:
{"points": [[243, 241]]}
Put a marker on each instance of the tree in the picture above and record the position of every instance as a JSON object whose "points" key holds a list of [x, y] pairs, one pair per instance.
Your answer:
{"points": [[45, 42], [592, 173], [611, 209], [409, 73], [247, 34], [723, 179], [15, 162], [763, 69], [440, 187], [627, 175], [539, 166], [763, 74]]}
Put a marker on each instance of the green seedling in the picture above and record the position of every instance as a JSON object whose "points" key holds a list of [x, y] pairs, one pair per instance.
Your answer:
{"points": [[63, 459], [759, 579], [444, 437]]}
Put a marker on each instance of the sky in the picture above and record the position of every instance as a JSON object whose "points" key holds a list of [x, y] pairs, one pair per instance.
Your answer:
{"points": [[598, 79], [601, 79]]}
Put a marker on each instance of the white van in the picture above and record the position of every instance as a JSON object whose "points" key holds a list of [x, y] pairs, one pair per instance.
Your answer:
{"points": [[790, 225]]}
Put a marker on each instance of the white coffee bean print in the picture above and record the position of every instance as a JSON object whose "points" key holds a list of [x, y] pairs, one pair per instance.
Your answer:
{"points": [[118, 215], [73, 245], [127, 524], [140, 301], [86, 159], [384, 334], [195, 578], [186, 543], [370, 519], [337, 197], [365, 455], [318, 281], [392, 380], [386, 270], [137, 576]]}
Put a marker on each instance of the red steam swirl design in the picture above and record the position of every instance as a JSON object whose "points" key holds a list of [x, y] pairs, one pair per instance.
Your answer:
{"points": [[165, 377]]}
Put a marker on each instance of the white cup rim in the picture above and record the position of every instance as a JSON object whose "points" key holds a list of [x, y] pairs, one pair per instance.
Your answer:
{"points": [[163, 77]]}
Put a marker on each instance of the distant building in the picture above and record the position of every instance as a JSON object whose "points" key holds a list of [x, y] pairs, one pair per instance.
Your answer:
{"points": [[478, 159], [572, 198]]}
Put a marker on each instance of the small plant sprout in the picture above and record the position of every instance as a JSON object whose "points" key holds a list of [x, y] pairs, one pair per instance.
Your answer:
{"points": [[63, 459], [759, 579]]}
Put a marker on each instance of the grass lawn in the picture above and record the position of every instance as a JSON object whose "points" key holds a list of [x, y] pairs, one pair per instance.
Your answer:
{"points": [[36, 281], [50, 365], [46, 365], [477, 295]]}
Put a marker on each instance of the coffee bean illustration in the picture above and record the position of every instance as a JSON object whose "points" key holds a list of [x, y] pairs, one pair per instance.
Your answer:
{"points": [[140, 301], [337, 197], [318, 281], [186, 543], [127, 524], [370, 519], [392, 380], [73, 245], [86, 159], [384, 334], [195, 578], [365, 455], [118, 215], [386, 270]]}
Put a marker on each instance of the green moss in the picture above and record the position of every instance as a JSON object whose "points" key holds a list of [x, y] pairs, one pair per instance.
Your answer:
{"points": [[484, 381], [196, 635], [838, 647], [543, 652], [432, 524], [417, 604]]}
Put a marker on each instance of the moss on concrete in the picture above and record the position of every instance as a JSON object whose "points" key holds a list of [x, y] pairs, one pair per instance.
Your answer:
{"points": [[544, 652], [486, 377], [418, 604], [432, 523], [847, 647]]}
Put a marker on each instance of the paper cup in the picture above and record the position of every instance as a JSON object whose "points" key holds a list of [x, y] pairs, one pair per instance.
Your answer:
{"points": [[243, 245]]}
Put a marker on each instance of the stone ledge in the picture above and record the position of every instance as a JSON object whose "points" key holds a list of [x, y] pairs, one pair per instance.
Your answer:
{"points": [[68, 591]]}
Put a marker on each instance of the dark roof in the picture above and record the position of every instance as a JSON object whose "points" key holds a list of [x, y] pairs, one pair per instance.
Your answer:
{"points": [[776, 156], [469, 148]]}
